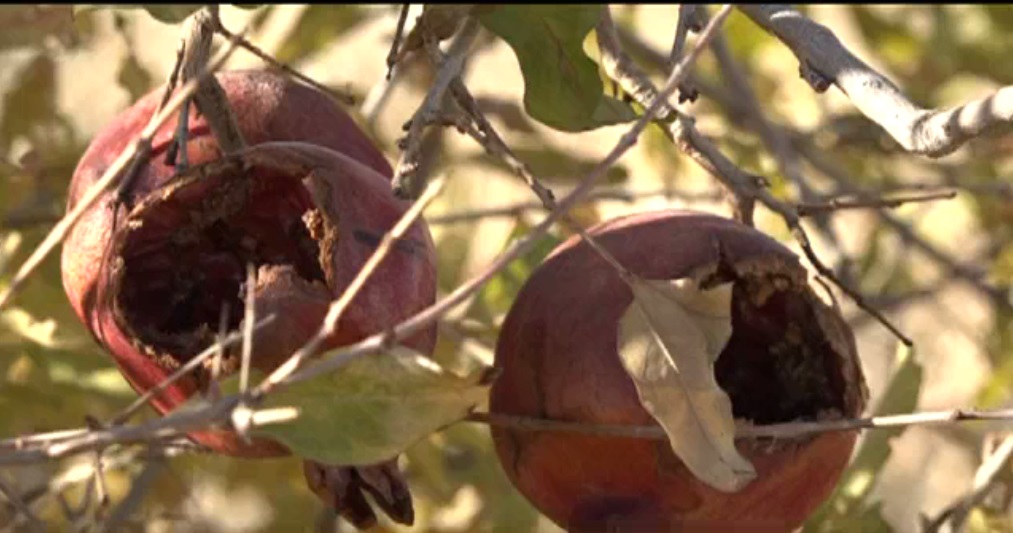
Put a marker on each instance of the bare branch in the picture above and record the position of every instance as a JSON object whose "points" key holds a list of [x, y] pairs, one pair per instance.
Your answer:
{"points": [[517, 209], [824, 60], [744, 188], [433, 313], [408, 164], [745, 430], [339, 96], [395, 45], [837, 204]]}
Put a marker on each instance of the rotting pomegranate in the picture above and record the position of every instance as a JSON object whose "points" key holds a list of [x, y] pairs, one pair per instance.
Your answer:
{"points": [[307, 203], [790, 357]]}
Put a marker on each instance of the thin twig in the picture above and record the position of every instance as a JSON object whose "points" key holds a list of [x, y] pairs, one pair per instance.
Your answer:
{"points": [[521, 246], [688, 20], [395, 45], [215, 349], [824, 60], [181, 421], [745, 430], [745, 188], [19, 504], [139, 488], [403, 182], [779, 145], [245, 44], [956, 513], [489, 139], [514, 210], [837, 204], [249, 316], [133, 153]]}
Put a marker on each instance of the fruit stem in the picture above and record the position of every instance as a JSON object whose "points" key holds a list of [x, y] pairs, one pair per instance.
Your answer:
{"points": [[210, 98]]}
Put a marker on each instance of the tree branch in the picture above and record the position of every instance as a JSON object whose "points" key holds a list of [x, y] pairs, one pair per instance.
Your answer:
{"points": [[825, 60]]}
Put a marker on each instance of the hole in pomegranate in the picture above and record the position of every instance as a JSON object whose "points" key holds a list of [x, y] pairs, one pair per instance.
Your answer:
{"points": [[779, 365], [185, 253]]}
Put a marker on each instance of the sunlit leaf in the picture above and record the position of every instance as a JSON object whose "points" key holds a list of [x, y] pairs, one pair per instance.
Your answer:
{"points": [[372, 409], [561, 84], [669, 338]]}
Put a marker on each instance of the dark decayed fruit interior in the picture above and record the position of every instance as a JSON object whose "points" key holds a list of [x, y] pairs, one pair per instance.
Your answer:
{"points": [[778, 365], [184, 257]]}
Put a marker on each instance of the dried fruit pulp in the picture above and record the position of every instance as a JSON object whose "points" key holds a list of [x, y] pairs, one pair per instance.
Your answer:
{"points": [[789, 358]]}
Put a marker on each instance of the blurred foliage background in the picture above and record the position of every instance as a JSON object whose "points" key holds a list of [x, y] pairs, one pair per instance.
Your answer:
{"points": [[64, 75]]}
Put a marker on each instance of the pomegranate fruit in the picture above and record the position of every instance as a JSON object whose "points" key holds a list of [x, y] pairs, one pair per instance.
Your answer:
{"points": [[306, 203], [790, 357]]}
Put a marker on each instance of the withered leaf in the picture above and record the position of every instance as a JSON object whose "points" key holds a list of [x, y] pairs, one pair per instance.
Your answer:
{"points": [[669, 338]]}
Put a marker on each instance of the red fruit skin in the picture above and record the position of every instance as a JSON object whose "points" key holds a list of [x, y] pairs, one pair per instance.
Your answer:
{"points": [[557, 354], [268, 107]]}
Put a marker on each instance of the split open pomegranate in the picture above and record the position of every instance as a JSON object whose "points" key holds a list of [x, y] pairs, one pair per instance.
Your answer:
{"points": [[790, 357], [306, 205]]}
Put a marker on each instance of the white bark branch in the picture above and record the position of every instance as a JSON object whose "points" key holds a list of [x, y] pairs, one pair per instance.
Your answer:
{"points": [[825, 60]]}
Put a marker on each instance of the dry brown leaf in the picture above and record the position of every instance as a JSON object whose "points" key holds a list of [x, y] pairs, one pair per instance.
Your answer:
{"points": [[669, 339]]}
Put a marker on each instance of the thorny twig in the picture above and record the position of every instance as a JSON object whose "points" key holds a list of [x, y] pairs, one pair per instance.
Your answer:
{"points": [[132, 155], [745, 188], [824, 60]]}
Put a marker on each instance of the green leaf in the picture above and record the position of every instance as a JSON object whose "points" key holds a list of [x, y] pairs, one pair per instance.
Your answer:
{"points": [[561, 84], [669, 339], [372, 409], [848, 501]]}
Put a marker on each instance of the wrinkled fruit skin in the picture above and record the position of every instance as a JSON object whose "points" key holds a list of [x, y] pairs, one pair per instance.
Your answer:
{"points": [[307, 203], [558, 357]]}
